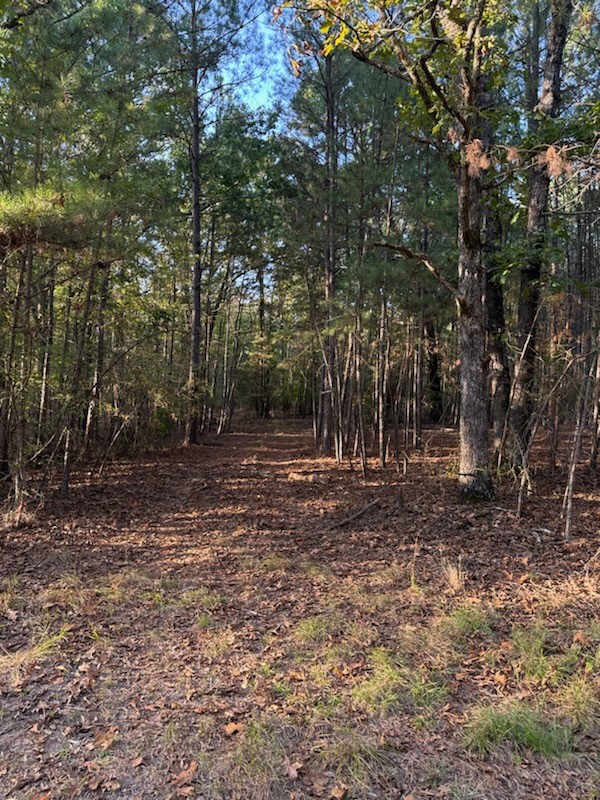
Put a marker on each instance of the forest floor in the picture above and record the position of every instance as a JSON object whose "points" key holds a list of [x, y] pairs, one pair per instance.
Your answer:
{"points": [[211, 623]]}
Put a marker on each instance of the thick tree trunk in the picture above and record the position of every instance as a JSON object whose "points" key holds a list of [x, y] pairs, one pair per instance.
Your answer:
{"points": [[7, 406], [474, 476]]}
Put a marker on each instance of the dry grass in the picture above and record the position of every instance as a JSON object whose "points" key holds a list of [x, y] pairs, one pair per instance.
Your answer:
{"points": [[454, 574], [14, 666]]}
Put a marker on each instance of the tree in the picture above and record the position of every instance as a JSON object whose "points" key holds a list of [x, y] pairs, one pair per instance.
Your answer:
{"points": [[543, 107], [449, 55]]}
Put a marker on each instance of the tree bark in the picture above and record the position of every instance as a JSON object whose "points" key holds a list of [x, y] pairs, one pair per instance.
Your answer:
{"points": [[192, 423], [496, 330], [474, 476], [538, 195]]}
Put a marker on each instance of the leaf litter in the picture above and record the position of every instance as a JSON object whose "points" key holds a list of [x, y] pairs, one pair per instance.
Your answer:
{"points": [[234, 632]]}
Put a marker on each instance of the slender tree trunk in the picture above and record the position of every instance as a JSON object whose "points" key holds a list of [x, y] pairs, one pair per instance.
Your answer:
{"points": [[496, 331], [192, 423], [567, 509], [47, 360], [263, 405], [434, 372], [330, 422], [74, 419], [381, 378], [538, 196], [91, 425]]}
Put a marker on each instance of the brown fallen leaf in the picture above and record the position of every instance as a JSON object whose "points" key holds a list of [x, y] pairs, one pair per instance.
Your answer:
{"points": [[317, 781], [186, 775], [232, 728], [339, 792], [137, 762], [291, 768], [104, 740], [579, 637]]}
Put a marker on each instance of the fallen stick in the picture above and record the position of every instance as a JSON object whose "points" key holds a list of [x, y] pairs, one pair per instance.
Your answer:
{"points": [[354, 516], [587, 565]]}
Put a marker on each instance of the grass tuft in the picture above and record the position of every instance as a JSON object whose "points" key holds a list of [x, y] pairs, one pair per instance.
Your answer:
{"points": [[517, 724], [466, 621], [386, 685], [201, 599], [315, 630], [356, 757], [454, 574], [393, 682], [259, 753], [579, 699], [16, 665]]}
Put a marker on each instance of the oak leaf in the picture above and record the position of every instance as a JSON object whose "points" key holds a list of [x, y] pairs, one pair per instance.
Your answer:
{"points": [[579, 637], [317, 781], [291, 768], [186, 775], [232, 728]]}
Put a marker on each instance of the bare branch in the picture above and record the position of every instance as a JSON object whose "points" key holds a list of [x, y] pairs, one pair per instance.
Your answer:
{"points": [[406, 252]]}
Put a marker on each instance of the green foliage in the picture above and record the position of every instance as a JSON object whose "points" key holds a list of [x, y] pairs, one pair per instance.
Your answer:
{"points": [[48, 216]]}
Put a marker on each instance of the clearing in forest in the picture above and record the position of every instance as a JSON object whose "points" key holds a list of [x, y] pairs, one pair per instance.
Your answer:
{"points": [[221, 622]]}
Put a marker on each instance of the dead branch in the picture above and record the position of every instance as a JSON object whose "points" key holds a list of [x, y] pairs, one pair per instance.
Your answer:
{"points": [[406, 252], [354, 516]]}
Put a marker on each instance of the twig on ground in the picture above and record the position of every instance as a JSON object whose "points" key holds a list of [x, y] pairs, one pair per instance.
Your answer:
{"points": [[354, 516], [586, 568]]}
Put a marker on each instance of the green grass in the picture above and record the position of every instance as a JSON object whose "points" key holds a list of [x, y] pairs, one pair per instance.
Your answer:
{"points": [[275, 563], [466, 621], [517, 724], [259, 751], [316, 630], [201, 599], [534, 659], [393, 682], [386, 685], [579, 699], [10, 598], [355, 757]]}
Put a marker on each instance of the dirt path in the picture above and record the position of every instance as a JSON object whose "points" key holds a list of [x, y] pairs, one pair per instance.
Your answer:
{"points": [[198, 623]]}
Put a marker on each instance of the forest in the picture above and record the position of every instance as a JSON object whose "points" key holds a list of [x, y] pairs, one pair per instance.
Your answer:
{"points": [[299, 399]]}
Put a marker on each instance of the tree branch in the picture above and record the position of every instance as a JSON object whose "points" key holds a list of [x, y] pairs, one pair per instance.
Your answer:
{"points": [[360, 55], [406, 252], [13, 21]]}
